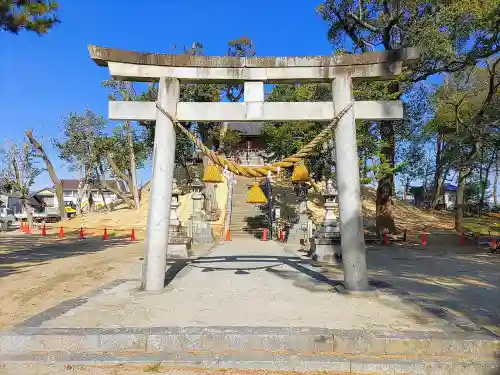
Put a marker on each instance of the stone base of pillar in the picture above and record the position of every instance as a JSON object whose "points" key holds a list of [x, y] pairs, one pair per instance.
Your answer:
{"points": [[179, 244], [298, 231], [179, 247], [327, 250]]}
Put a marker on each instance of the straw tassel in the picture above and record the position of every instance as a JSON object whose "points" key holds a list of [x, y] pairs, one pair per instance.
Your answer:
{"points": [[300, 173], [256, 195], [212, 174]]}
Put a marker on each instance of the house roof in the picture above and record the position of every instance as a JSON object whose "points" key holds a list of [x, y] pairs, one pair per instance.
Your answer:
{"points": [[246, 128], [52, 190]]}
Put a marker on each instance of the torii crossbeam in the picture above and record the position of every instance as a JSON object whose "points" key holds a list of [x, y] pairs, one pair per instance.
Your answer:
{"points": [[254, 72]]}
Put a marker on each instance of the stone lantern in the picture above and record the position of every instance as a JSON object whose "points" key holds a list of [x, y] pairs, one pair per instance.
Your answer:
{"points": [[298, 234], [174, 219], [179, 243], [199, 229], [197, 187], [325, 245]]}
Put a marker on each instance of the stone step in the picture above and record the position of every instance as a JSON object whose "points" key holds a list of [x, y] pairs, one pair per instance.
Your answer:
{"points": [[298, 340], [194, 363]]}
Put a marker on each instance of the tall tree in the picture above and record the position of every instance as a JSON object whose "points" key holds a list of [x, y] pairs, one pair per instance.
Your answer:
{"points": [[38, 16], [466, 110], [77, 147], [19, 171], [52, 172], [457, 34], [112, 156], [125, 91]]}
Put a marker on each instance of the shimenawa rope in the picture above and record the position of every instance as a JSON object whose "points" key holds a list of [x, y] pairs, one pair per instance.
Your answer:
{"points": [[263, 171]]}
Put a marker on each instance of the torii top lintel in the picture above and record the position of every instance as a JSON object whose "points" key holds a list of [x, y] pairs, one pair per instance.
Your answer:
{"points": [[140, 66]]}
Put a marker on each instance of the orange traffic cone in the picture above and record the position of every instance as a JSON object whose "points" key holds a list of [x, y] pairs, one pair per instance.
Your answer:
{"points": [[61, 232], [462, 238], [132, 236], [493, 244], [386, 237], [81, 234], [228, 235], [424, 239], [264, 234], [105, 237], [28, 229], [44, 231]]}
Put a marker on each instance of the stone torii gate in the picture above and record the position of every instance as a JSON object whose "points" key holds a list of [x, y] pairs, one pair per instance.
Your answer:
{"points": [[170, 70]]}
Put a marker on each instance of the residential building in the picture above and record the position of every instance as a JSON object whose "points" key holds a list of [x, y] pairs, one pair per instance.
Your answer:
{"points": [[11, 201]]}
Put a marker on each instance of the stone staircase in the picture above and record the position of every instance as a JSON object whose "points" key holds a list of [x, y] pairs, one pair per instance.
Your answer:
{"points": [[246, 218]]}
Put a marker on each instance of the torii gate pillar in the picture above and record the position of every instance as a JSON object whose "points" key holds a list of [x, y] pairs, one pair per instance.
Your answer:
{"points": [[160, 197], [348, 186]]}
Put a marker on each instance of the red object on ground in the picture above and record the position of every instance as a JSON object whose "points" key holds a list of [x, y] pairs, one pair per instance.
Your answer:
{"points": [[282, 235], [105, 237], [386, 237], [264, 234], [44, 231], [61, 232], [462, 238], [81, 234], [493, 244], [228, 235], [132, 236], [28, 229], [424, 239]]}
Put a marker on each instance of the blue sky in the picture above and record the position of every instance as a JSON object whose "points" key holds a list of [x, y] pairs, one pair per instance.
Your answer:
{"points": [[42, 79]]}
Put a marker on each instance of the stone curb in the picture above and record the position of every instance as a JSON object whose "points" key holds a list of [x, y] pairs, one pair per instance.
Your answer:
{"points": [[245, 339], [76, 364]]}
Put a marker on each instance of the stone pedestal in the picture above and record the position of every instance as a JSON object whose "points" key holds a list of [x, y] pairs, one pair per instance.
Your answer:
{"points": [[179, 243], [299, 231], [325, 244], [199, 226]]}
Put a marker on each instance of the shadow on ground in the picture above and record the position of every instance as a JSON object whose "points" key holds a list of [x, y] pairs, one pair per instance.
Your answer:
{"points": [[18, 252], [461, 283], [458, 288]]}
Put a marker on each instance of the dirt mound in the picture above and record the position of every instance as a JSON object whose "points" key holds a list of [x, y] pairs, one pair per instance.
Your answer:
{"points": [[406, 215], [121, 219]]}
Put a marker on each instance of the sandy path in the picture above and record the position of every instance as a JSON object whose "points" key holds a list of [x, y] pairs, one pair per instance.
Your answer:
{"points": [[38, 273]]}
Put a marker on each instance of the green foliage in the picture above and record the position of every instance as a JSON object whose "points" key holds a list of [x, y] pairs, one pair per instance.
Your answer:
{"points": [[117, 146], [286, 138], [184, 149], [209, 132], [78, 144], [456, 34], [227, 139], [241, 47], [38, 16]]}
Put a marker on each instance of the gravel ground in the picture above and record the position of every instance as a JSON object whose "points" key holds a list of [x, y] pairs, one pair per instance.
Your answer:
{"points": [[221, 291]]}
